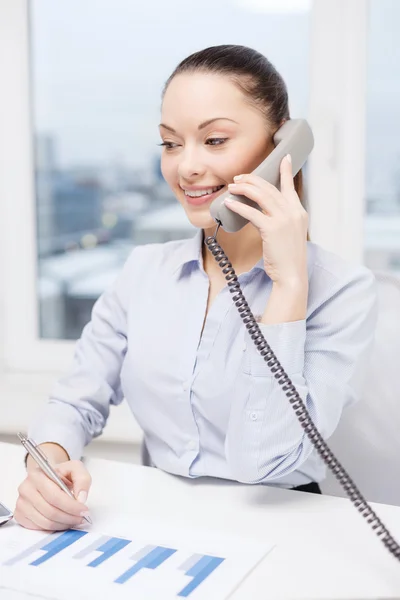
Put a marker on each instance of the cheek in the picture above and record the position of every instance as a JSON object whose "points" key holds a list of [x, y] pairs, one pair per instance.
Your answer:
{"points": [[244, 159], [237, 166], [249, 156], [168, 169], [224, 166]]}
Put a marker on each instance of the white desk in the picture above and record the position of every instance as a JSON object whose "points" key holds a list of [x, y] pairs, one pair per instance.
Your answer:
{"points": [[323, 547]]}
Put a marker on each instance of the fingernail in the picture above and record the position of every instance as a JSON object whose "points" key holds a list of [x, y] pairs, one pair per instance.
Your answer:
{"points": [[85, 514], [289, 158], [82, 497], [237, 177], [232, 185], [229, 200]]}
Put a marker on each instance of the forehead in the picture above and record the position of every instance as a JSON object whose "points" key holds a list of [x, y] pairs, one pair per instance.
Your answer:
{"points": [[200, 96]]}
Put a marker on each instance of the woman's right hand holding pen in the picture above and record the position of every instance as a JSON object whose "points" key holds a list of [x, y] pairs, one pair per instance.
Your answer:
{"points": [[42, 504]]}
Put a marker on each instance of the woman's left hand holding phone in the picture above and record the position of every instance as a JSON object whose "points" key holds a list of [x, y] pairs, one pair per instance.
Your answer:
{"points": [[282, 223]]}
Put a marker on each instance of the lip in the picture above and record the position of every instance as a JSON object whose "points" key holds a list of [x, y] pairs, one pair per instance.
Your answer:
{"points": [[199, 201]]}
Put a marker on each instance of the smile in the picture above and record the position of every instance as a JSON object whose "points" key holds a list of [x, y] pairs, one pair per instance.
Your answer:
{"points": [[205, 192], [200, 197]]}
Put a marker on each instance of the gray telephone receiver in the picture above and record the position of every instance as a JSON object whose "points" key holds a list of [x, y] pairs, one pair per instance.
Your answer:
{"points": [[295, 138]]}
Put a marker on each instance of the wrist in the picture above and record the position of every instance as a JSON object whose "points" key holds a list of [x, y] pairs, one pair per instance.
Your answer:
{"points": [[296, 283], [287, 302], [54, 452]]}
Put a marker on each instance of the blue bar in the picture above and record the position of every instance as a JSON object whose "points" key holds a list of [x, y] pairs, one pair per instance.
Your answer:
{"points": [[111, 547], [200, 571], [60, 543], [152, 560]]}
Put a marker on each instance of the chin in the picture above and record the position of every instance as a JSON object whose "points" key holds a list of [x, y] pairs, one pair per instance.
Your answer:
{"points": [[200, 218]]}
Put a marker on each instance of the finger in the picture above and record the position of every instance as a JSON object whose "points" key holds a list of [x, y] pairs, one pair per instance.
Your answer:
{"points": [[21, 518], [258, 181], [75, 471], [55, 496], [258, 195], [253, 215], [286, 175], [24, 521], [21, 515], [41, 522], [51, 512]]}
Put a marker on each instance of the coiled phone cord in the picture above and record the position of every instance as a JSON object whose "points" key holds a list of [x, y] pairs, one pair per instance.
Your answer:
{"points": [[295, 400]]}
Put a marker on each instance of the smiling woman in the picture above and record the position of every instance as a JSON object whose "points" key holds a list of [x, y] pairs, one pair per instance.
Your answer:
{"points": [[166, 336], [221, 108], [206, 153]]}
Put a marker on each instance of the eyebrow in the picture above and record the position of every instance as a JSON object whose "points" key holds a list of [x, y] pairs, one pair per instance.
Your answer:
{"points": [[202, 125]]}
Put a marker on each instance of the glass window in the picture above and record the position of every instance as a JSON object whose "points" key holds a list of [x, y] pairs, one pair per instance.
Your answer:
{"points": [[382, 227], [97, 73]]}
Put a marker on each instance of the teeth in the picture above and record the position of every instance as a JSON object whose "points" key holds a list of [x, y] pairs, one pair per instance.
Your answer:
{"points": [[198, 193]]}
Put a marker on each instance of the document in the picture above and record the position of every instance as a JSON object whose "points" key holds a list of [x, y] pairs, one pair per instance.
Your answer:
{"points": [[142, 559]]}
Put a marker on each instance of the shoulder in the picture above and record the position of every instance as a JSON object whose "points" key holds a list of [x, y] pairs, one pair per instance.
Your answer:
{"points": [[334, 269]]}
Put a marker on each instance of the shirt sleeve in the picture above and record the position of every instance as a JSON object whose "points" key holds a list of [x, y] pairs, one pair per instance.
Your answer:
{"points": [[79, 404], [325, 357]]}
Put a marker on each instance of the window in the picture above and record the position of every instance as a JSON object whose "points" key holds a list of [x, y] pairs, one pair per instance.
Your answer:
{"points": [[97, 70], [61, 61], [382, 222]]}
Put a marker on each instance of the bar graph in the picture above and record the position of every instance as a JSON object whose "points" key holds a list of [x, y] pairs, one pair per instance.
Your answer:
{"points": [[151, 560], [126, 567], [51, 546], [198, 567], [108, 546], [202, 568]]}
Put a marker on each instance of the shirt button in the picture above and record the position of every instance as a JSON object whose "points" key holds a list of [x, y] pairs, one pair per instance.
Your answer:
{"points": [[253, 416], [191, 445], [186, 385]]}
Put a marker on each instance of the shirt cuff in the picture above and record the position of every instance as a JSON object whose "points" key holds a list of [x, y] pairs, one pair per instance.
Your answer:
{"points": [[287, 340], [50, 428]]}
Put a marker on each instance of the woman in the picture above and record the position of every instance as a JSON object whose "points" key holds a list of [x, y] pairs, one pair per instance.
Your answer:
{"points": [[167, 336]]}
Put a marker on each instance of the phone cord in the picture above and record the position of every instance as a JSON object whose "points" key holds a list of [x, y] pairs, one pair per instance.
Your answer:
{"points": [[295, 400]]}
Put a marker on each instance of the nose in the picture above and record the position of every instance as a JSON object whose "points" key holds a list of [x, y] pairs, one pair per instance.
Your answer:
{"points": [[190, 164]]}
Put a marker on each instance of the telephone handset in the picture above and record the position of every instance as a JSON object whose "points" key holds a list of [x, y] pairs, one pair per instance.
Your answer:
{"points": [[294, 137]]}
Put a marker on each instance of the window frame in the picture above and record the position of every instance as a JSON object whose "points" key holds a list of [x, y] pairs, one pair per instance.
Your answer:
{"points": [[336, 178]]}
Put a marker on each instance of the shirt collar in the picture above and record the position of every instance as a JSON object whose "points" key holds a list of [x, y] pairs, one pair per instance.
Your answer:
{"points": [[191, 251]]}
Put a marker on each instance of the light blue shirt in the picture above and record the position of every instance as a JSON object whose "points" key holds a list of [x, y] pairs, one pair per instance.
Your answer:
{"points": [[207, 402]]}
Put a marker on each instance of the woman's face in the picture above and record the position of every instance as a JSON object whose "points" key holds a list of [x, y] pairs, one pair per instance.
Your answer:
{"points": [[210, 134]]}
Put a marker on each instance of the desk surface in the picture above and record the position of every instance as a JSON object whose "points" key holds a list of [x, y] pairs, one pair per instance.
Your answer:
{"points": [[323, 547]]}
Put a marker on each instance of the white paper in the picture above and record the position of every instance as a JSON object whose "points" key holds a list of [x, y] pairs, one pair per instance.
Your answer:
{"points": [[140, 560]]}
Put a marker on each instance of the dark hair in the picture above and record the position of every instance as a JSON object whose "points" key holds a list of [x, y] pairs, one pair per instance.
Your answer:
{"points": [[255, 76]]}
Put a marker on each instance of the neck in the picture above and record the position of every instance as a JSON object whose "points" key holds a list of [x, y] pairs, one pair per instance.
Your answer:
{"points": [[243, 248]]}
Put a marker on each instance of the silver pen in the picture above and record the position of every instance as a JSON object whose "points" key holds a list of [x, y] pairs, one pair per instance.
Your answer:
{"points": [[43, 462]]}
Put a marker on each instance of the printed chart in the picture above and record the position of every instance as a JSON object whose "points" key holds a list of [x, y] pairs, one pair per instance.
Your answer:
{"points": [[145, 563]]}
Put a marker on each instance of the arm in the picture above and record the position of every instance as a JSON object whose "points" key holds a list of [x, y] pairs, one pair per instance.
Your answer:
{"points": [[324, 357], [80, 402]]}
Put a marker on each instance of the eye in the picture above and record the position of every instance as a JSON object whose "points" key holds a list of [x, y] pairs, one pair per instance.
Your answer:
{"points": [[168, 145], [216, 141]]}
